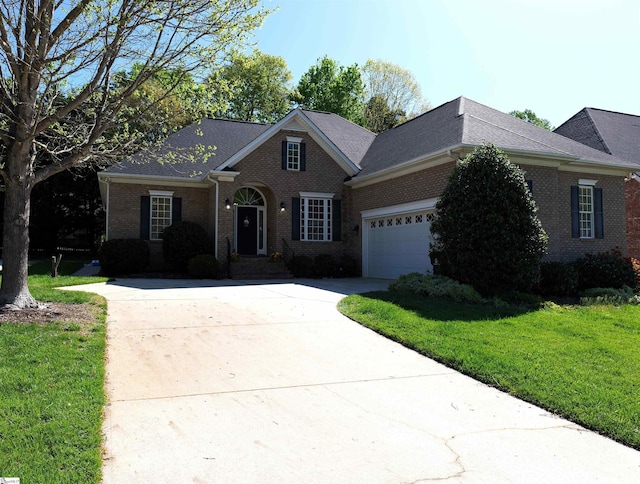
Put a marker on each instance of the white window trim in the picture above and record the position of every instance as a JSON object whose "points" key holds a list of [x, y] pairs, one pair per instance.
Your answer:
{"points": [[159, 194], [587, 183], [316, 195], [297, 141], [327, 221], [591, 212]]}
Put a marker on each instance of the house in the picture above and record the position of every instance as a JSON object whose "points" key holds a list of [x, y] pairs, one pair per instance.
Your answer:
{"points": [[619, 135], [314, 183]]}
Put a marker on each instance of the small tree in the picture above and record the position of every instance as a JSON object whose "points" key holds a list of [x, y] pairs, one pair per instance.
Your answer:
{"points": [[486, 230]]}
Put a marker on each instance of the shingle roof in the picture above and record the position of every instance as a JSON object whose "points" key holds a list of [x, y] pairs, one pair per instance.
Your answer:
{"points": [[460, 122], [608, 131], [351, 139], [227, 136], [468, 123]]}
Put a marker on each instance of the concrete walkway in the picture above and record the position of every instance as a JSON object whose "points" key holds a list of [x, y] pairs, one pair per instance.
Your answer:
{"points": [[227, 383]]}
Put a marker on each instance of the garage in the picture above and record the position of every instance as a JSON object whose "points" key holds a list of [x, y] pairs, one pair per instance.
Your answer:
{"points": [[396, 240]]}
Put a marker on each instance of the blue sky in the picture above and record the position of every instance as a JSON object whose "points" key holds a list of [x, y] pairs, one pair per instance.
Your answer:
{"points": [[552, 56]]}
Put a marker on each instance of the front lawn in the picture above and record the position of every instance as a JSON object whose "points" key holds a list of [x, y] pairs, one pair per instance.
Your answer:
{"points": [[52, 383], [582, 363]]}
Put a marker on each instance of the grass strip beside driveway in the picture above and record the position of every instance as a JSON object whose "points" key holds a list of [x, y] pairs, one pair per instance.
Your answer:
{"points": [[52, 385], [581, 363]]}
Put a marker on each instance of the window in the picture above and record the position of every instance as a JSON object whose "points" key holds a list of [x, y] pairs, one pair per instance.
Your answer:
{"points": [[585, 208], [315, 219], [161, 209], [587, 214], [293, 156]]}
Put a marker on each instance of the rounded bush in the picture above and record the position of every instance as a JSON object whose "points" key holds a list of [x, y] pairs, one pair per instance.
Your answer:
{"points": [[348, 267], [204, 266], [325, 265], [605, 269], [558, 279], [302, 266], [119, 257], [182, 241], [486, 232], [436, 286]]}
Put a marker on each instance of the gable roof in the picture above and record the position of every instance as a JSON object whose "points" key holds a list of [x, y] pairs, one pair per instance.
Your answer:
{"points": [[229, 141], [345, 141], [227, 136], [460, 123], [466, 123], [615, 133]]}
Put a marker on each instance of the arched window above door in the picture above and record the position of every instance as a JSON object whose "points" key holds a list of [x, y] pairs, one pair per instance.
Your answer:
{"points": [[248, 196]]}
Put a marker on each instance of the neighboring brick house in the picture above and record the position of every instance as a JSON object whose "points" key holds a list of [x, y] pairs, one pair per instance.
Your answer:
{"points": [[316, 183], [619, 135]]}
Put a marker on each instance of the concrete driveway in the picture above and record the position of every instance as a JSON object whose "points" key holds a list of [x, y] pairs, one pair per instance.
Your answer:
{"points": [[216, 382]]}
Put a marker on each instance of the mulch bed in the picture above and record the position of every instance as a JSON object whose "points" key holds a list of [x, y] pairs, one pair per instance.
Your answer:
{"points": [[50, 312]]}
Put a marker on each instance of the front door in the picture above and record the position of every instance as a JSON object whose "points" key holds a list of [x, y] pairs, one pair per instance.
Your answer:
{"points": [[247, 230]]}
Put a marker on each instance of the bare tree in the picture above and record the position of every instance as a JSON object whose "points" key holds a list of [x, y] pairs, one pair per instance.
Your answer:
{"points": [[397, 86], [60, 106]]}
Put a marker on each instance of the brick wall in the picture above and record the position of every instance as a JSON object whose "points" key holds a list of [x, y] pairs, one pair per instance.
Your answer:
{"points": [[262, 170], [632, 202], [124, 211]]}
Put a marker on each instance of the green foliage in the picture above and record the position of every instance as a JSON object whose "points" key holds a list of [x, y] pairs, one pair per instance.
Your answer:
{"points": [[325, 265], [605, 269], [486, 230], [557, 279], [329, 87], [379, 117], [530, 117], [120, 257], [608, 296], [182, 241], [302, 266], [436, 286], [347, 267], [258, 87], [204, 266], [396, 87]]}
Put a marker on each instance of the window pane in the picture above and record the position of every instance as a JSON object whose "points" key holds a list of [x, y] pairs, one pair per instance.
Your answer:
{"points": [[293, 156], [585, 201], [315, 219], [160, 215]]}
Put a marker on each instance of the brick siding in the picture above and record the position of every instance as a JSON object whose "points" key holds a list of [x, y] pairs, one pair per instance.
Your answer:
{"points": [[632, 203]]}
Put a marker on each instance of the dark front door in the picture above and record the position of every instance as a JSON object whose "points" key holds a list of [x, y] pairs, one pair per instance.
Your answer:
{"points": [[247, 223]]}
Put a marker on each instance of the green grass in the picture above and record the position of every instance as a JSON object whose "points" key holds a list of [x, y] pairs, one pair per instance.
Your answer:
{"points": [[52, 389], [582, 363]]}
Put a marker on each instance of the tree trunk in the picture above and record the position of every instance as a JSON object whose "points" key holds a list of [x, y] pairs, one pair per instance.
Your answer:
{"points": [[14, 292]]}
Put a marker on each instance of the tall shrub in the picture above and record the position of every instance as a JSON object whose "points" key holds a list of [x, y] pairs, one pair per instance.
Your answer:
{"points": [[182, 241], [486, 230]]}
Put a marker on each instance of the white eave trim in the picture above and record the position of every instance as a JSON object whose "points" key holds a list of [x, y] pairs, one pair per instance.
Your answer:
{"points": [[420, 205], [345, 163], [151, 180], [417, 164]]}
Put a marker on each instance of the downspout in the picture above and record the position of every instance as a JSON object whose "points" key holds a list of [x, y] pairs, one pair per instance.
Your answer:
{"points": [[215, 224], [105, 202]]}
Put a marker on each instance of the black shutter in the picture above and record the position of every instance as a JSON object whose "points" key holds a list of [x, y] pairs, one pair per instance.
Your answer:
{"points": [[284, 155], [336, 220], [575, 213], [176, 210], [295, 218], [530, 185], [303, 156], [598, 215], [145, 214]]}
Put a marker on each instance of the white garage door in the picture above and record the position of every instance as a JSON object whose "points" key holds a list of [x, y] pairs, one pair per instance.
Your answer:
{"points": [[398, 244]]}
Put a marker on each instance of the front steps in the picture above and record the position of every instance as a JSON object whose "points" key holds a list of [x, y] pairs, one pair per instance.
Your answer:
{"points": [[258, 268]]}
